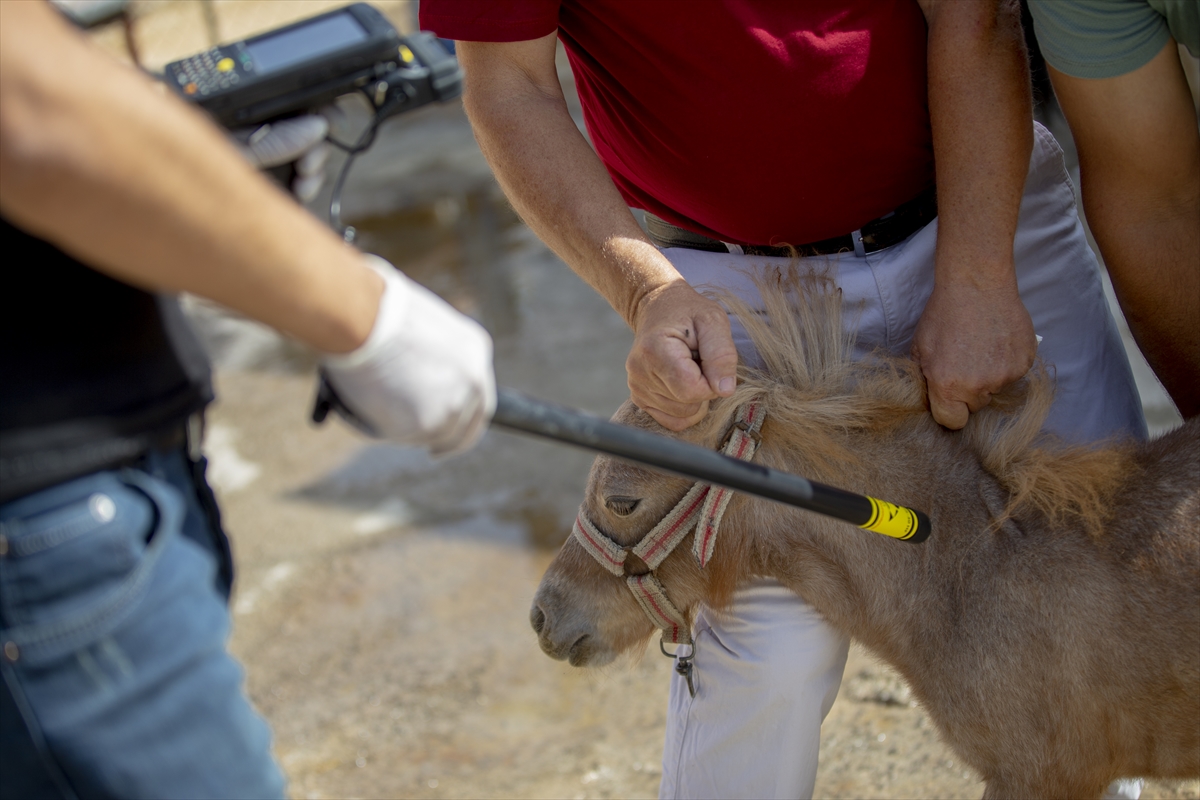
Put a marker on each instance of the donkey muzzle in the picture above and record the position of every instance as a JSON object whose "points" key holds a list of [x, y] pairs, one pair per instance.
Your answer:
{"points": [[562, 637]]}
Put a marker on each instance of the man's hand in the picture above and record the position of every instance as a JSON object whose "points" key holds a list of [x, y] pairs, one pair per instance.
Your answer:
{"points": [[972, 340], [682, 356], [424, 376], [559, 187], [298, 139], [975, 336]]}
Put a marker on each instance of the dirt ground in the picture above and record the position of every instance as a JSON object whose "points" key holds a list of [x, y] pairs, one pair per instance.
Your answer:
{"points": [[388, 643], [382, 603], [381, 606], [382, 615]]}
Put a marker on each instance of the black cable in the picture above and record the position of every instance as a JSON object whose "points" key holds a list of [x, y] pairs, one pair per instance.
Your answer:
{"points": [[335, 201], [370, 130], [365, 140]]}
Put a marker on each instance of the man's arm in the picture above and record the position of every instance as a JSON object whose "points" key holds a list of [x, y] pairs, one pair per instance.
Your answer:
{"points": [[145, 189], [1139, 165], [975, 336], [561, 189]]}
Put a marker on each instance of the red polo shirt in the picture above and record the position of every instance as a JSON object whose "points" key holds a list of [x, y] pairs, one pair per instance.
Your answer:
{"points": [[749, 121]]}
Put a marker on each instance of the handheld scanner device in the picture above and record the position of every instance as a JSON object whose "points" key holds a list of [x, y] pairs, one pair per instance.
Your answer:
{"points": [[296, 67]]}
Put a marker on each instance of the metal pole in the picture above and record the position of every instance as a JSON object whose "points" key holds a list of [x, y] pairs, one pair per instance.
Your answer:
{"points": [[519, 412]]}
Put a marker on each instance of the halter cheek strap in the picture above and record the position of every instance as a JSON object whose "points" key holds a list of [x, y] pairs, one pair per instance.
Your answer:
{"points": [[651, 550], [741, 444], [701, 508]]}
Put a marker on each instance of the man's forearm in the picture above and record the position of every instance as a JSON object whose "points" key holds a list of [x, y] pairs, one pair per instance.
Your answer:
{"points": [[560, 188], [980, 111], [142, 187], [975, 335], [555, 180], [1139, 163]]}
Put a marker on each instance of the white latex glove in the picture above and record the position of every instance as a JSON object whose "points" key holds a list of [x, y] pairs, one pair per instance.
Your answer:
{"points": [[299, 139], [424, 376]]}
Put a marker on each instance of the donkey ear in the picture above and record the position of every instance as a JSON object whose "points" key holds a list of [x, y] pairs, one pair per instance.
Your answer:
{"points": [[621, 506]]}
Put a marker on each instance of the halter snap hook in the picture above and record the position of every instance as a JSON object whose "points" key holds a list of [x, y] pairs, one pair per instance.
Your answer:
{"points": [[684, 665]]}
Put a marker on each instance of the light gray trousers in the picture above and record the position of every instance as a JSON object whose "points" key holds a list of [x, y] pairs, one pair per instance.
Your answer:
{"points": [[768, 670]]}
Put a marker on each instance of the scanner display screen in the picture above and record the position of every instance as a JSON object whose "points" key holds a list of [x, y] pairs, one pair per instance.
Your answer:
{"points": [[276, 52]]}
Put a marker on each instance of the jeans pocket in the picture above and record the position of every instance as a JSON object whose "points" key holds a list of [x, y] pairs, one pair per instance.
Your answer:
{"points": [[78, 555]]}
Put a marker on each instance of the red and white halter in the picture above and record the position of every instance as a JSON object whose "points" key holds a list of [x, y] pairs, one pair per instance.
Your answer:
{"points": [[702, 507]]}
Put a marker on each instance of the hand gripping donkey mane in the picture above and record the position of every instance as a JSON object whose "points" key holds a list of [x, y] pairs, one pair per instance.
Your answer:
{"points": [[1051, 623]]}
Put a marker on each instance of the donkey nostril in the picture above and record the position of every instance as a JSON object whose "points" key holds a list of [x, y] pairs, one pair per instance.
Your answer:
{"points": [[537, 618]]}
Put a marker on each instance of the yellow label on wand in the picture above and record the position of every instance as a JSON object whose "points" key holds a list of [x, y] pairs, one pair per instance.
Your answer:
{"points": [[891, 520]]}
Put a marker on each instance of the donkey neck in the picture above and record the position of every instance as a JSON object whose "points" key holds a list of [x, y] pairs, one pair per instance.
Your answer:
{"points": [[870, 586]]}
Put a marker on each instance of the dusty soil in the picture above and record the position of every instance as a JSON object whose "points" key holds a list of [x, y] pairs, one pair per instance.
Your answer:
{"points": [[388, 643], [382, 605], [381, 608]]}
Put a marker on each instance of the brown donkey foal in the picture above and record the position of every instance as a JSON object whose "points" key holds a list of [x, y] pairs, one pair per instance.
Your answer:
{"points": [[1051, 623]]}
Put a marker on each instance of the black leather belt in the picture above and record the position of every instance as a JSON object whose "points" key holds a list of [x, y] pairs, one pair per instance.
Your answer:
{"points": [[888, 230], [30, 472]]}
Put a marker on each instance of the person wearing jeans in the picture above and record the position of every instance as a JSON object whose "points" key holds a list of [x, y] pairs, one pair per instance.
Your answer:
{"points": [[114, 572]]}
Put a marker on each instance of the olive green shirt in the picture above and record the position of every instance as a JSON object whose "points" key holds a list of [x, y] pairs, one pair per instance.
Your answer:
{"points": [[1107, 38]]}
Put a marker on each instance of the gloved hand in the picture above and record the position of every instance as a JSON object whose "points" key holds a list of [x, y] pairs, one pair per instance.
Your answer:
{"points": [[299, 139], [424, 376]]}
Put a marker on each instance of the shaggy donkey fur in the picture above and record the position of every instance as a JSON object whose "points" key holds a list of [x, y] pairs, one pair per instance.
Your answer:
{"points": [[1051, 623]]}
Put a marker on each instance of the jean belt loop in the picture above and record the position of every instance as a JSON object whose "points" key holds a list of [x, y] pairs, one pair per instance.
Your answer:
{"points": [[195, 436], [736, 249], [859, 250]]}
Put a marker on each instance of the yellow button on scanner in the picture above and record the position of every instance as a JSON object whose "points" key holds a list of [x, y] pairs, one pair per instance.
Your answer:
{"points": [[406, 55], [225, 65]]}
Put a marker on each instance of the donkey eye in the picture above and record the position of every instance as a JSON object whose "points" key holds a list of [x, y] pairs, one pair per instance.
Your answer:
{"points": [[622, 506]]}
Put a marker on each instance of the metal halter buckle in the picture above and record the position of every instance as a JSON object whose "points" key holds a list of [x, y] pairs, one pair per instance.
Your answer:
{"points": [[683, 664], [744, 427]]}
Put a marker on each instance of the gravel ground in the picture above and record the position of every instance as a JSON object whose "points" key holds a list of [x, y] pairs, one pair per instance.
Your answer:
{"points": [[381, 608], [382, 605], [389, 647]]}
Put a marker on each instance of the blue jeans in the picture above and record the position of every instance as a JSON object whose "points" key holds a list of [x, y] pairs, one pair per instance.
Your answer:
{"points": [[113, 622]]}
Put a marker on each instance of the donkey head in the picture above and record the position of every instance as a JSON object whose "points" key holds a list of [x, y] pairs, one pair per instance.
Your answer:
{"points": [[584, 612]]}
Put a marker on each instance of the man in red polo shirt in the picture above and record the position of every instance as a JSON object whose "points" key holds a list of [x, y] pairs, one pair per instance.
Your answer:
{"points": [[740, 126]]}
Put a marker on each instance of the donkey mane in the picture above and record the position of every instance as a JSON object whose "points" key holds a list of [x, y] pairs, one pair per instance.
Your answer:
{"points": [[816, 393]]}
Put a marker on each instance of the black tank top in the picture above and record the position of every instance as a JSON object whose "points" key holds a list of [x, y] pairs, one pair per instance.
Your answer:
{"points": [[92, 370]]}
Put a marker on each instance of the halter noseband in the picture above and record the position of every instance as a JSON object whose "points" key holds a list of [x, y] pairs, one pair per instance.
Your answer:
{"points": [[702, 507]]}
